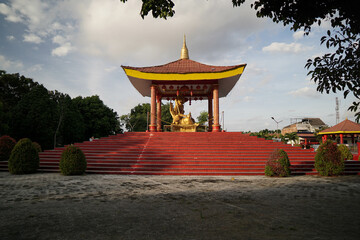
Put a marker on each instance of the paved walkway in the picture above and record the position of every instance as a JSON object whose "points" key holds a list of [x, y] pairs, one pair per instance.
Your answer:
{"points": [[52, 206]]}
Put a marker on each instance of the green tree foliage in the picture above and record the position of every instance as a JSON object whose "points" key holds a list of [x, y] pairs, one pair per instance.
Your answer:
{"points": [[203, 117], [70, 127], [73, 161], [165, 114], [136, 120], [24, 158], [4, 126], [99, 120], [35, 117], [278, 164], [328, 159], [265, 133], [345, 152], [158, 8], [51, 118], [334, 71], [13, 87]]}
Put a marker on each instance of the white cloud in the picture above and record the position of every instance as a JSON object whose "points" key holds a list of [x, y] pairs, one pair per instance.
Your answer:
{"points": [[8, 65], [286, 48], [10, 14], [298, 35], [35, 68], [248, 98], [65, 46], [304, 92], [32, 38], [63, 50], [10, 38]]}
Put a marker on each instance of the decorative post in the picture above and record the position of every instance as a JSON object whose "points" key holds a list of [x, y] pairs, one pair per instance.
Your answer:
{"points": [[152, 126], [341, 138], [210, 112], [158, 112], [216, 126]]}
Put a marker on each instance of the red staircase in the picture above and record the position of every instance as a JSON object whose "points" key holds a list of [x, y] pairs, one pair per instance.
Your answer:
{"points": [[224, 153]]}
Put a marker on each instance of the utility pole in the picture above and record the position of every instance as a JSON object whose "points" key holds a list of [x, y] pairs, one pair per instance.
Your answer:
{"points": [[337, 110]]}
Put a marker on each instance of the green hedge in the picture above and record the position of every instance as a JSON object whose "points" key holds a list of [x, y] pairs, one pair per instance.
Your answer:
{"points": [[278, 164], [6, 146], [73, 161], [345, 152], [328, 159], [24, 158]]}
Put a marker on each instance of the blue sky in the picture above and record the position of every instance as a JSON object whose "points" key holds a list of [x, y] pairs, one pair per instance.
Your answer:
{"points": [[77, 47]]}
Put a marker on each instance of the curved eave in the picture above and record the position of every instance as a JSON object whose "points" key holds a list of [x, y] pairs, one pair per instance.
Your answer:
{"points": [[183, 76], [226, 79], [338, 132]]}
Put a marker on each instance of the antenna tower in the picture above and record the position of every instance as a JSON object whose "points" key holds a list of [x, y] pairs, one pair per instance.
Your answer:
{"points": [[337, 110]]}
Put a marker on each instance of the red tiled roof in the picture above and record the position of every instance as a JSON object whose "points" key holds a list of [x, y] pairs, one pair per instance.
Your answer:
{"points": [[184, 66], [345, 126]]}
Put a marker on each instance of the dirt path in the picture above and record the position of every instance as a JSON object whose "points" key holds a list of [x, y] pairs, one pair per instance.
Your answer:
{"points": [[52, 206]]}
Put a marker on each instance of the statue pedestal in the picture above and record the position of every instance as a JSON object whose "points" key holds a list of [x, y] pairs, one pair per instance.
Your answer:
{"points": [[184, 128]]}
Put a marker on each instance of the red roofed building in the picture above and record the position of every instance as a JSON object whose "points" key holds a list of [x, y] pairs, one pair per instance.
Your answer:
{"points": [[191, 79], [346, 129]]}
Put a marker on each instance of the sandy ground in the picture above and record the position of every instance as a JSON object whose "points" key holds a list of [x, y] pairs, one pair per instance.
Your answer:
{"points": [[52, 206]]}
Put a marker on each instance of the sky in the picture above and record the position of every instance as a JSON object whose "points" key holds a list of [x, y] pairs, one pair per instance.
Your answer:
{"points": [[78, 46]]}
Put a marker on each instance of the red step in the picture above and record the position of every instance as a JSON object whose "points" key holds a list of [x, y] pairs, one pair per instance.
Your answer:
{"points": [[228, 153]]}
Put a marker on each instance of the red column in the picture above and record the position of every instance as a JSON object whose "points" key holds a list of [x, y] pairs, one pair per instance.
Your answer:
{"points": [[158, 113], [210, 112], [216, 126], [341, 138], [152, 126]]}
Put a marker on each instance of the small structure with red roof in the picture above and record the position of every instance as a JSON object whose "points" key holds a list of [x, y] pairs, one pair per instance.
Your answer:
{"points": [[190, 79], [344, 129]]}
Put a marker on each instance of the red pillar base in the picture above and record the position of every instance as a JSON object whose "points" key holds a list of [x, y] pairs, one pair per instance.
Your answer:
{"points": [[152, 128], [216, 128]]}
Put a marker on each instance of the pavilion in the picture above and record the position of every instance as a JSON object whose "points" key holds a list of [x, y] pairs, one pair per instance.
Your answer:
{"points": [[191, 79], [343, 129]]}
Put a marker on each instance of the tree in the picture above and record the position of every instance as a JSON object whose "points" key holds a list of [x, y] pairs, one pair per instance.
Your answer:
{"points": [[99, 119], [13, 88], [136, 120], [203, 117], [336, 71], [70, 123], [159, 8], [291, 137], [35, 117]]}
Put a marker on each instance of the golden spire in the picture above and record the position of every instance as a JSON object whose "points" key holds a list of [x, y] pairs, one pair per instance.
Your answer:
{"points": [[184, 50]]}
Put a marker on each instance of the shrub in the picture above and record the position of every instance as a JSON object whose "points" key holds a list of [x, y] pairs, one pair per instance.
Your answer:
{"points": [[328, 160], [24, 158], [345, 152], [73, 161], [37, 147], [278, 164], [6, 146]]}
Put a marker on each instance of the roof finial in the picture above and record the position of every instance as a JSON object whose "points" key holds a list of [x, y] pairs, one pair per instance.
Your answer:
{"points": [[184, 50]]}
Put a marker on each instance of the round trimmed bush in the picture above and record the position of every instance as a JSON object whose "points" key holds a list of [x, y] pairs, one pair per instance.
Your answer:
{"points": [[24, 158], [6, 146], [278, 164], [73, 161], [328, 159], [37, 147], [345, 152]]}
